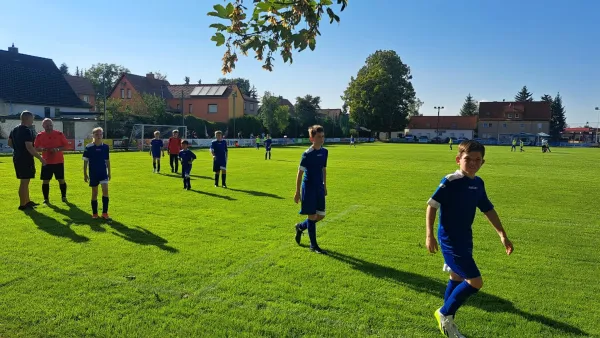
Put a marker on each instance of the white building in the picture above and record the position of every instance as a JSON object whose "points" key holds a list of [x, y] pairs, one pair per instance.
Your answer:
{"points": [[442, 126]]}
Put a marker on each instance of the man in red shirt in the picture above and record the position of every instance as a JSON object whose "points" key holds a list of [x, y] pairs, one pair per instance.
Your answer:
{"points": [[174, 146], [52, 143]]}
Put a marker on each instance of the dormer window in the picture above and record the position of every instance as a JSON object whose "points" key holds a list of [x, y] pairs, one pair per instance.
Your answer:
{"points": [[510, 116], [516, 116]]}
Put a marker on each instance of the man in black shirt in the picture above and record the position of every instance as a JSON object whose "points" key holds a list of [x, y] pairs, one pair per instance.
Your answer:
{"points": [[21, 140]]}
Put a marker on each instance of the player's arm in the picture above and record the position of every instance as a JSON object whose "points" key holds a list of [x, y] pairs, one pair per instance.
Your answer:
{"points": [[325, 179], [494, 220], [298, 184], [33, 152], [85, 167], [430, 240], [107, 161], [10, 140]]}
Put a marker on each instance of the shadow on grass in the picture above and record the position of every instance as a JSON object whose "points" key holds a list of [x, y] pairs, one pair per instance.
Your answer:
{"points": [[258, 193], [78, 216], [229, 198], [173, 175], [481, 300], [54, 227], [203, 177], [140, 236]]}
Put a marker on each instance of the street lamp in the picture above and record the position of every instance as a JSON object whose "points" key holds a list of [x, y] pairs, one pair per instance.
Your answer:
{"points": [[234, 99], [437, 128], [598, 125]]}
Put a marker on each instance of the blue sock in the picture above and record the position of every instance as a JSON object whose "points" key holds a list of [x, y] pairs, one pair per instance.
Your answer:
{"points": [[452, 284], [304, 225], [95, 207], [312, 233], [104, 204], [458, 297]]}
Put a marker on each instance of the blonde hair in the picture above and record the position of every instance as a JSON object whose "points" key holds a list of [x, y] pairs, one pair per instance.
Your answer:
{"points": [[157, 133], [218, 132], [175, 131], [95, 130]]}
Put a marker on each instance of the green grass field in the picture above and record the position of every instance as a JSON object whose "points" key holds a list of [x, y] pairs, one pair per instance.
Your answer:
{"points": [[216, 262]]}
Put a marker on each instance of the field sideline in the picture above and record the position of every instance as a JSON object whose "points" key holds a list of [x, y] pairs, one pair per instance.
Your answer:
{"points": [[223, 262]]}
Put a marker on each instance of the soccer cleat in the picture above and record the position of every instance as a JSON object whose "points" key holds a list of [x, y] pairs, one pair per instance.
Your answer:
{"points": [[46, 202], [31, 204], [64, 199], [95, 216], [106, 217], [318, 250], [224, 187], [153, 171], [446, 325], [298, 233]]}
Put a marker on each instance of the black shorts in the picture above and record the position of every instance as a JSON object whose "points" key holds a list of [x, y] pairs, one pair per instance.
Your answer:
{"points": [[24, 168], [56, 170]]}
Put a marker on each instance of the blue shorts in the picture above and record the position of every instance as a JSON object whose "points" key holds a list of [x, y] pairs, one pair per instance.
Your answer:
{"points": [[186, 170], [463, 265], [96, 180], [313, 201], [156, 155], [268, 149], [219, 164]]}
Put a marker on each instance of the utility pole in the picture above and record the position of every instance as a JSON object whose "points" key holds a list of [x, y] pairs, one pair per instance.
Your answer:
{"points": [[437, 128]]}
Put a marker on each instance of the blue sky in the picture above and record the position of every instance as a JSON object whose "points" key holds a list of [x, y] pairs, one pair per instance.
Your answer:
{"points": [[487, 48]]}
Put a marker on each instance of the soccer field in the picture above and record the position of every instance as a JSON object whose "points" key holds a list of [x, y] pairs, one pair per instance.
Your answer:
{"points": [[223, 262]]}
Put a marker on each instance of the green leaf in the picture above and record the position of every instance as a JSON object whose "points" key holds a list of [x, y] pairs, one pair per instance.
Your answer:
{"points": [[272, 45], [263, 6], [219, 39], [312, 44], [229, 9], [221, 12], [218, 26]]}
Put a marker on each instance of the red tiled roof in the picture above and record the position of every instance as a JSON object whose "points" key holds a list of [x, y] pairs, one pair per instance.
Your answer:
{"points": [[579, 130], [528, 111], [445, 122]]}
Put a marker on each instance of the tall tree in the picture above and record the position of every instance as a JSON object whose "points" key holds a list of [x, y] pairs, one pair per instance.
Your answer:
{"points": [[274, 26], [77, 73], [253, 92], [524, 95], [199, 81], [306, 109], [160, 76], [414, 107], [104, 74], [470, 107], [274, 116], [547, 98], [242, 84], [381, 94], [64, 69], [559, 120], [187, 80]]}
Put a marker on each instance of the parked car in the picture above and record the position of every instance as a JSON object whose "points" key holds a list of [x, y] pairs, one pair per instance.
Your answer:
{"points": [[423, 139], [436, 139]]}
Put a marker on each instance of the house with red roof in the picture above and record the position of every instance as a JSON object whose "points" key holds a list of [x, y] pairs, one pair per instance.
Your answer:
{"points": [[442, 126], [512, 118]]}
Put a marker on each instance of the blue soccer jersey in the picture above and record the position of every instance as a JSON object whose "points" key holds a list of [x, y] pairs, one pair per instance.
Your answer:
{"points": [[312, 163], [457, 197], [186, 156], [96, 156], [156, 146], [268, 143]]}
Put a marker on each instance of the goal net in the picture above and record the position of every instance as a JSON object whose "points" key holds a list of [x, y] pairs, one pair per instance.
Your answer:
{"points": [[142, 134]]}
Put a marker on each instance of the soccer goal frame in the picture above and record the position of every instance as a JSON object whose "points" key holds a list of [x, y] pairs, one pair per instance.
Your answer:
{"points": [[141, 134]]}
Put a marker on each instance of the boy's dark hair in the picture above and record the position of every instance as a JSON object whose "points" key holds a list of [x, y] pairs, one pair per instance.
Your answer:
{"points": [[314, 130], [469, 146], [185, 142]]}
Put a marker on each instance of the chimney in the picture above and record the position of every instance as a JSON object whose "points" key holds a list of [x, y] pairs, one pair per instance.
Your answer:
{"points": [[13, 49], [150, 76]]}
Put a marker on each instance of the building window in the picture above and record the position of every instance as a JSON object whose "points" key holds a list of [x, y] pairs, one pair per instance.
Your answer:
{"points": [[503, 125], [128, 93], [485, 125], [190, 108], [122, 93], [56, 112], [47, 112], [490, 125], [510, 116], [178, 106], [212, 108], [245, 106], [516, 116], [251, 106], [86, 98], [539, 126]]}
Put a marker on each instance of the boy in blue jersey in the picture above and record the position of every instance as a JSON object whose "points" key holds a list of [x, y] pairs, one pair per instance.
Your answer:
{"points": [[458, 196], [95, 156], [218, 150], [186, 157], [268, 143], [156, 146], [312, 176], [352, 141]]}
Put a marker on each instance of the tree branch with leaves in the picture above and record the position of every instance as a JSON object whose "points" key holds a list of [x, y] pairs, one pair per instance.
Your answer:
{"points": [[272, 27]]}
